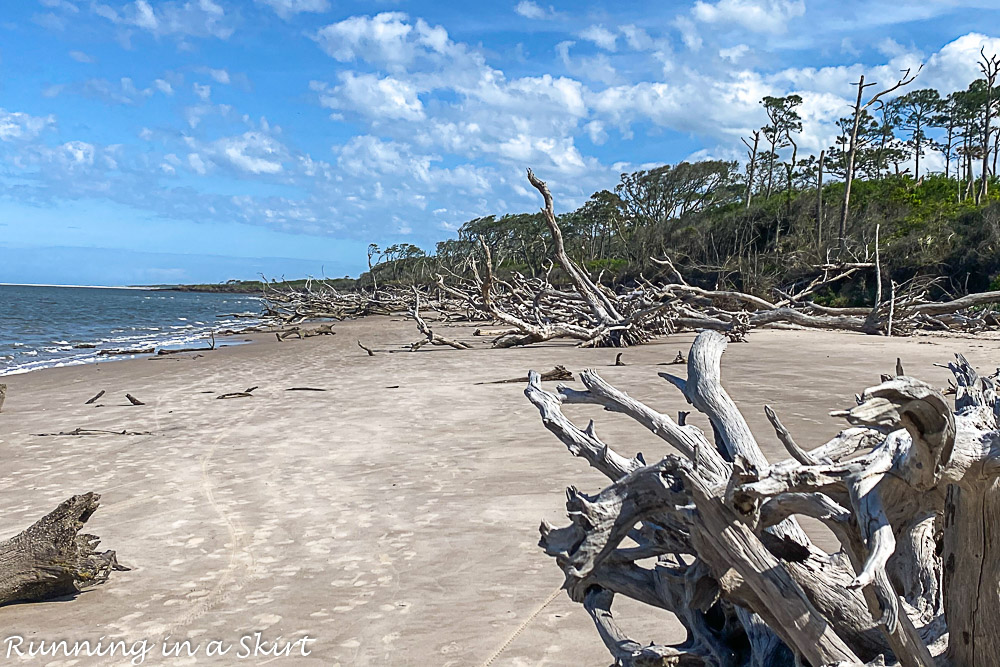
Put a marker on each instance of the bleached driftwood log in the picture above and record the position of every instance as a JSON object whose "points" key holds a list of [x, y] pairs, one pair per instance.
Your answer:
{"points": [[52, 558], [429, 335], [911, 490]]}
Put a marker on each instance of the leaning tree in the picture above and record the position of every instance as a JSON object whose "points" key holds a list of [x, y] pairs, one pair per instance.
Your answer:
{"points": [[910, 490]]}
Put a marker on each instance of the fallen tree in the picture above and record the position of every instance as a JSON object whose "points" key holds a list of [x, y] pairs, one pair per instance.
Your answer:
{"points": [[52, 558], [910, 490], [532, 309]]}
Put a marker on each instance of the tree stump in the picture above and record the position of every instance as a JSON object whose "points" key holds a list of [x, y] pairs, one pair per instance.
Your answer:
{"points": [[52, 558], [911, 490]]}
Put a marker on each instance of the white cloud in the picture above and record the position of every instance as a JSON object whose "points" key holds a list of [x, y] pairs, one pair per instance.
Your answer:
{"points": [[63, 5], [532, 10], [600, 36], [734, 53], [80, 57], [203, 91], [197, 164], [78, 152], [955, 65], [373, 96], [19, 126], [767, 16], [636, 38], [124, 91], [380, 39], [288, 8], [195, 18], [251, 152], [220, 75], [163, 86], [689, 33], [195, 113]]}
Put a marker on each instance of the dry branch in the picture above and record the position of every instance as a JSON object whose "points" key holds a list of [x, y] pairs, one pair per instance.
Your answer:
{"points": [[558, 373], [911, 491]]}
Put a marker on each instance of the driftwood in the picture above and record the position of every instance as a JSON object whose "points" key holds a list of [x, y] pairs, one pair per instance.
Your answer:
{"points": [[133, 400], [95, 397], [3, 395], [304, 389], [246, 393], [429, 335], [911, 491], [52, 558], [93, 431], [533, 311], [117, 352], [371, 353], [558, 373]]}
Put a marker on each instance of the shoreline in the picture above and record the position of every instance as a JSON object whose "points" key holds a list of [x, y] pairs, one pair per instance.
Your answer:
{"points": [[391, 517]]}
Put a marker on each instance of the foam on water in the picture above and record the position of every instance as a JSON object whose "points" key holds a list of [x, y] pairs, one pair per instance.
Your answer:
{"points": [[44, 327]]}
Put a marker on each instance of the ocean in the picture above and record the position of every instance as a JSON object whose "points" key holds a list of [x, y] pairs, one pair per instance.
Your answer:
{"points": [[42, 326]]}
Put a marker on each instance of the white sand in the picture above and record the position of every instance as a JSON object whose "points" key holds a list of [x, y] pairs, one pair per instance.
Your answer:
{"points": [[395, 526]]}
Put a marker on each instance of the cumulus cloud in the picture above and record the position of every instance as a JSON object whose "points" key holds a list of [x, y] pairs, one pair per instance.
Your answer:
{"points": [[768, 16], [374, 96], [252, 152], [382, 39], [19, 126], [443, 128]]}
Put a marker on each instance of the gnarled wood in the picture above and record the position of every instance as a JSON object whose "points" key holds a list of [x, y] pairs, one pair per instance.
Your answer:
{"points": [[52, 558], [911, 491]]}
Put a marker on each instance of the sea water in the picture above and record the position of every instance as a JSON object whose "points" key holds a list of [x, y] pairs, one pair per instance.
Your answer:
{"points": [[42, 326]]}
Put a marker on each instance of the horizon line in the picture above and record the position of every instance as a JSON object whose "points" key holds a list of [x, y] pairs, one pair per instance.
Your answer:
{"points": [[138, 287]]}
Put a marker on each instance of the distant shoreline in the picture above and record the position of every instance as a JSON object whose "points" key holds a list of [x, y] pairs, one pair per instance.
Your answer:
{"points": [[132, 287]]}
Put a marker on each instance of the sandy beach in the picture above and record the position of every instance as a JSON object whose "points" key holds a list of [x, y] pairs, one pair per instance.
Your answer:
{"points": [[392, 518]]}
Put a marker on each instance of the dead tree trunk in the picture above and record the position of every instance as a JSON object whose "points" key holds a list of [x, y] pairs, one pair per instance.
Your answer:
{"points": [[819, 203], [52, 558], [852, 151], [911, 491], [751, 166]]}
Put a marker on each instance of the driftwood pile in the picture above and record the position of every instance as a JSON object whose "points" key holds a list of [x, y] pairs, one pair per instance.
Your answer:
{"points": [[320, 301], [710, 533], [533, 310]]}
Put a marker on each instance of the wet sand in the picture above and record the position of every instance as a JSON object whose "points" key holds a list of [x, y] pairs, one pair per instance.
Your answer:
{"points": [[392, 518]]}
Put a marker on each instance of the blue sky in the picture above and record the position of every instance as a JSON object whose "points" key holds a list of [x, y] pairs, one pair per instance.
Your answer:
{"points": [[201, 140]]}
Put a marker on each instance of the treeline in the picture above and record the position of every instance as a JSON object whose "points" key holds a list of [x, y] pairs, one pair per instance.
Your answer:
{"points": [[763, 223]]}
